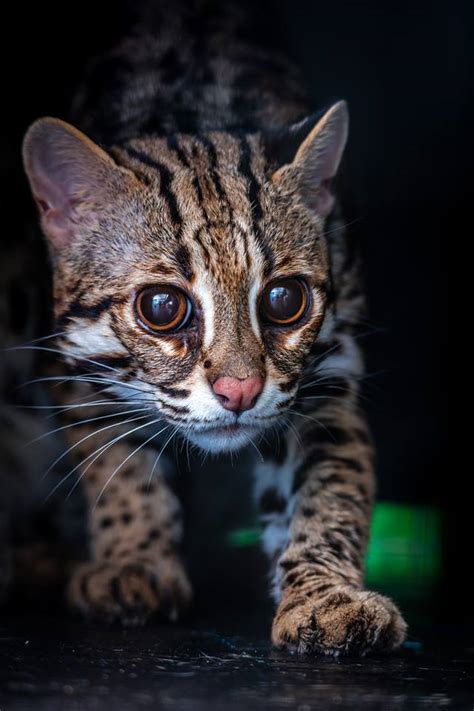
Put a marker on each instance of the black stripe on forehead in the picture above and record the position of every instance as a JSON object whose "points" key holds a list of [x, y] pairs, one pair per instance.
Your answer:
{"points": [[183, 261], [173, 144], [254, 190], [181, 256], [214, 169], [165, 183], [199, 241], [199, 193]]}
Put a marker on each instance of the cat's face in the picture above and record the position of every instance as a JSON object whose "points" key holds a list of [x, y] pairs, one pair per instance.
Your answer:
{"points": [[193, 270]]}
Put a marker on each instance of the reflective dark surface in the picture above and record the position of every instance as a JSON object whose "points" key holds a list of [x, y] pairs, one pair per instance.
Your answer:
{"points": [[59, 663]]}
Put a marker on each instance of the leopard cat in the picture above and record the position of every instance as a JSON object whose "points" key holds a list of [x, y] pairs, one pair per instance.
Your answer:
{"points": [[205, 288]]}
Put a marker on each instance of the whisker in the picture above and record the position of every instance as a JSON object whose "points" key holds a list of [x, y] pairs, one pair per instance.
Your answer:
{"points": [[81, 379], [98, 453], [76, 357], [155, 464], [188, 460], [65, 408], [83, 422], [35, 340], [91, 434], [314, 419], [76, 400], [344, 226], [358, 395], [117, 469], [61, 353], [250, 440], [294, 429]]}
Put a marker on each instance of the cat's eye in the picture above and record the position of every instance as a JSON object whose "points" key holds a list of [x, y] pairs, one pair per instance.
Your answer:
{"points": [[284, 302], [163, 308]]}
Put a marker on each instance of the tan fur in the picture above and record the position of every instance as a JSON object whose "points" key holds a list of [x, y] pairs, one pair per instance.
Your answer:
{"points": [[216, 212]]}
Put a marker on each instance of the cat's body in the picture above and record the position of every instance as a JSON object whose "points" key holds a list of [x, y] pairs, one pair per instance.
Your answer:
{"points": [[210, 206]]}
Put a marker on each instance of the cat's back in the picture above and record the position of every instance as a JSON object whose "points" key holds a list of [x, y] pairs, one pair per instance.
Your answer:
{"points": [[190, 67]]}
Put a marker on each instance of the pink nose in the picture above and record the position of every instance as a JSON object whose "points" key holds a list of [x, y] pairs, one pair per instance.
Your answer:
{"points": [[238, 395]]}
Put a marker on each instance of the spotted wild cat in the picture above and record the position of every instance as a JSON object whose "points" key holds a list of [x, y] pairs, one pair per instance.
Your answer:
{"points": [[205, 288]]}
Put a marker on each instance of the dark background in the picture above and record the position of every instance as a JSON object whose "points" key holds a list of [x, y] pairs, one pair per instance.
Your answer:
{"points": [[403, 68]]}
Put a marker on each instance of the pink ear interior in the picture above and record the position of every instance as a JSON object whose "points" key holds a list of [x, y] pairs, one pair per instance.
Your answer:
{"points": [[51, 196], [320, 199], [317, 159], [65, 170]]}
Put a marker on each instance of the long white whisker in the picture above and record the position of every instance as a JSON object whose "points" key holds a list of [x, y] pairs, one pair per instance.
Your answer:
{"points": [[83, 422], [117, 469], [83, 379], [61, 353], [294, 429], [75, 401], [155, 464], [96, 403], [91, 434], [250, 440], [74, 356], [35, 340], [339, 228], [313, 419], [96, 454]]}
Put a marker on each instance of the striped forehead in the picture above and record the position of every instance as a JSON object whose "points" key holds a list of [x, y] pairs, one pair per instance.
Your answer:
{"points": [[209, 202], [207, 189]]}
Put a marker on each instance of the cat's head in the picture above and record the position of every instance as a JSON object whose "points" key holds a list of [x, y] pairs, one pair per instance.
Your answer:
{"points": [[192, 271]]}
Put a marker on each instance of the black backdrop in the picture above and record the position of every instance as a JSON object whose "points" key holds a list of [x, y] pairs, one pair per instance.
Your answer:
{"points": [[403, 67]]}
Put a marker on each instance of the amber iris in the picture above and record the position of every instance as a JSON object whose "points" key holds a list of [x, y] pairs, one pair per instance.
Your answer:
{"points": [[284, 302], [163, 308]]}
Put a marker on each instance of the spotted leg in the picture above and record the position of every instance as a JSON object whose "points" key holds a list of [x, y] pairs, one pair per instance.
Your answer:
{"points": [[316, 504], [135, 528]]}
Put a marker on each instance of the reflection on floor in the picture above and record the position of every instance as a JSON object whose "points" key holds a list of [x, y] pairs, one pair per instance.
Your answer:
{"points": [[49, 663]]}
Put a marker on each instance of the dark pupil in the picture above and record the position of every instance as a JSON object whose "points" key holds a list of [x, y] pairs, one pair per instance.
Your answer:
{"points": [[284, 301], [160, 307]]}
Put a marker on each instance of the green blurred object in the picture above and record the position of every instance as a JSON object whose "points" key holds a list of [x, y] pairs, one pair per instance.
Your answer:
{"points": [[244, 537], [404, 556]]}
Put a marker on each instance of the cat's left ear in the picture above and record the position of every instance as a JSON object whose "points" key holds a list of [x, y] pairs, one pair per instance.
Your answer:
{"points": [[317, 157], [71, 179]]}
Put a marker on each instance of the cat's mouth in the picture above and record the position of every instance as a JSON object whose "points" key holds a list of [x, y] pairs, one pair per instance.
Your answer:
{"points": [[222, 437], [233, 428]]}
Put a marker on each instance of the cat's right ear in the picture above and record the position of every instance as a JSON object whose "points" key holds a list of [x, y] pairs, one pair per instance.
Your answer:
{"points": [[318, 147], [70, 176]]}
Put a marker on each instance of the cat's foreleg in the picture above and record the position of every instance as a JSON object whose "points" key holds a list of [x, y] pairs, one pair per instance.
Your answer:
{"points": [[316, 508], [135, 529]]}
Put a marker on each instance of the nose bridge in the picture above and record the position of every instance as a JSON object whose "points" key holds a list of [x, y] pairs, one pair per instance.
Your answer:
{"points": [[236, 350]]}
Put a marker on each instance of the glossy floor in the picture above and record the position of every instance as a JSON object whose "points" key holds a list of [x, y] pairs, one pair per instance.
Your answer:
{"points": [[54, 662]]}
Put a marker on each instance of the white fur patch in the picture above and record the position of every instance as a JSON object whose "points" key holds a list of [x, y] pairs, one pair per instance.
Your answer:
{"points": [[205, 295], [202, 403], [93, 338], [253, 307], [220, 442]]}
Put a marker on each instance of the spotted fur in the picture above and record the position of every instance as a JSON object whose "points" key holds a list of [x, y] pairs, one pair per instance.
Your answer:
{"points": [[203, 168]]}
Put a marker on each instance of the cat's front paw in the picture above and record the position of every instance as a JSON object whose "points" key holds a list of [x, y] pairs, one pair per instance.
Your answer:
{"points": [[129, 592], [344, 621]]}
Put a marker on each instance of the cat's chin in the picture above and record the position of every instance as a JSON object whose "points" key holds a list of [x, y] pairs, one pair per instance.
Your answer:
{"points": [[220, 440]]}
